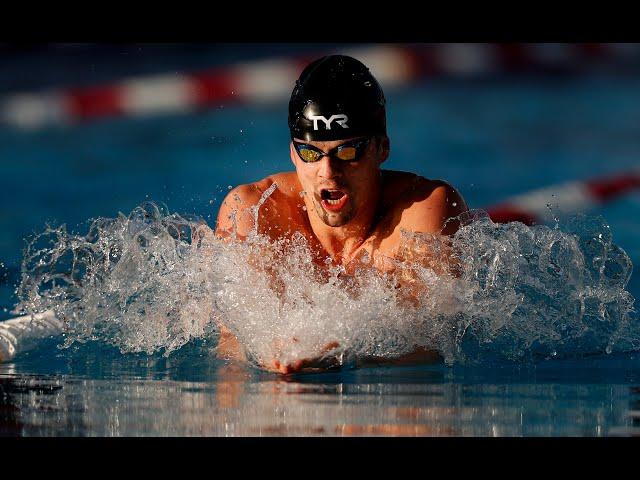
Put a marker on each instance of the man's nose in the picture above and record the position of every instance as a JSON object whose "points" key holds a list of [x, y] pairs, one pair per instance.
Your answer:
{"points": [[329, 167]]}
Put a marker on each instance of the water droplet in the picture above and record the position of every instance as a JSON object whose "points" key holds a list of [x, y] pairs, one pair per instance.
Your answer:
{"points": [[455, 204], [229, 187]]}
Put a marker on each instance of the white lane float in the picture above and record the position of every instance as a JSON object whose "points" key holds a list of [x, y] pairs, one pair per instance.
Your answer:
{"points": [[23, 333]]}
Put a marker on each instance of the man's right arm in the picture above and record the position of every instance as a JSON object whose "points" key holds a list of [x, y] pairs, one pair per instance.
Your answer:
{"points": [[235, 214], [236, 219]]}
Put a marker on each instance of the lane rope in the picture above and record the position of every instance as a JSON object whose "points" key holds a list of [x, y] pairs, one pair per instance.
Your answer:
{"points": [[271, 80]]}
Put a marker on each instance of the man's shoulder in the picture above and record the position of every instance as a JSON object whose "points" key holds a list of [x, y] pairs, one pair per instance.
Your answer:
{"points": [[236, 212], [251, 193], [414, 188], [421, 204]]}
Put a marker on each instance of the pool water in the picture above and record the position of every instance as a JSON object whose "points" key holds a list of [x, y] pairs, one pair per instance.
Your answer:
{"points": [[102, 393], [491, 140]]}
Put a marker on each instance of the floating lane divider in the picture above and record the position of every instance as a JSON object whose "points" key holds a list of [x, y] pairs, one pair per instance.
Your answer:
{"points": [[272, 80], [257, 82], [540, 206], [21, 334]]}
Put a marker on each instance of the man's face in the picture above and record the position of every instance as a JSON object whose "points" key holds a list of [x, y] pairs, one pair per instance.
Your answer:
{"points": [[338, 189]]}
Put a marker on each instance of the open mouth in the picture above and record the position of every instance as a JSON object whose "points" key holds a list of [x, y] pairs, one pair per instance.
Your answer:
{"points": [[333, 200]]}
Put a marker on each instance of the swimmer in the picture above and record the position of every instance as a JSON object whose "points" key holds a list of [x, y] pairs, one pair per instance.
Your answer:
{"points": [[339, 198]]}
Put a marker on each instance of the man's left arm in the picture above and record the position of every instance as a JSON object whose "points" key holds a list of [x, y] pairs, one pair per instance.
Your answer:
{"points": [[436, 214]]}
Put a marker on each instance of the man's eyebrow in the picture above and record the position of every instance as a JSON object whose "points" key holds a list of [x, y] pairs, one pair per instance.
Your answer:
{"points": [[347, 142]]}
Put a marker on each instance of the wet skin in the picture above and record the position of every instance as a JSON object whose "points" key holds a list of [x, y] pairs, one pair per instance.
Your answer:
{"points": [[343, 209]]}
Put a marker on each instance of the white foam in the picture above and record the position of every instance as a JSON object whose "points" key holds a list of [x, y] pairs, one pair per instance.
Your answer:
{"points": [[139, 283]]}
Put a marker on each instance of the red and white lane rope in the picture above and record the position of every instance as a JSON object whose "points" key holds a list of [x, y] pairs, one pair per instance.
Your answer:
{"points": [[540, 206], [272, 80], [255, 82]]}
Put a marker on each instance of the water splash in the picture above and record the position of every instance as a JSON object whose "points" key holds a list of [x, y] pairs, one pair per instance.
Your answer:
{"points": [[129, 282], [154, 281]]}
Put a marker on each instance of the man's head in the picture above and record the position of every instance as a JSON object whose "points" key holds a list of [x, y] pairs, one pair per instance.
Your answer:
{"points": [[339, 138]]}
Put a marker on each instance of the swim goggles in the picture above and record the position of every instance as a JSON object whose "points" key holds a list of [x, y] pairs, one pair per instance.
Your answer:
{"points": [[347, 152]]}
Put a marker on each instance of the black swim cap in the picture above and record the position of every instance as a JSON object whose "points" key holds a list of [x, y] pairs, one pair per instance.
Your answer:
{"points": [[336, 97]]}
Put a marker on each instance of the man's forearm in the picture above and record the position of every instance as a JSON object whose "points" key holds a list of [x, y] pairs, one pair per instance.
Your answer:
{"points": [[418, 356], [228, 346]]}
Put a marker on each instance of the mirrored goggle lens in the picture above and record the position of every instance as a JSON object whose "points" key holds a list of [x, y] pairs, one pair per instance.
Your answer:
{"points": [[309, 155], [347, 153]]}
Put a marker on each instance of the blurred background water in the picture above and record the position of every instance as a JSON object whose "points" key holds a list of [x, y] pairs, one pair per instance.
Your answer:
{"points": [[492, 133]]}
